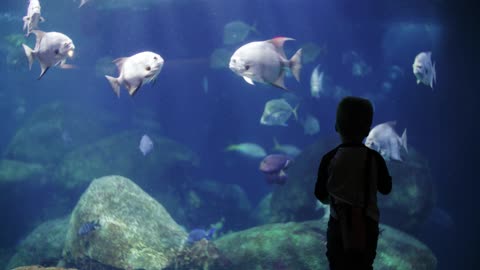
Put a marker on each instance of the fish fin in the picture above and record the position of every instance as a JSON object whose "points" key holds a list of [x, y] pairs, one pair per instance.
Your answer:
{"points": [[132, 89], [115, 83], [418, 81], [44, 70], [82, 2], [30, 55], [119, 63], [282, 173], [296, 64], [404, 140], [280, 81], [278, 42], [231, 147], [42, 19], [248, 80], [66, 66], [391, 123], [39, 34], [25, 23], [276, 144]]}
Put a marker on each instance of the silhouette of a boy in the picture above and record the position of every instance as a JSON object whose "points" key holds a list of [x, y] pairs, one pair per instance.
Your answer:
{"points": [[348, 179]]}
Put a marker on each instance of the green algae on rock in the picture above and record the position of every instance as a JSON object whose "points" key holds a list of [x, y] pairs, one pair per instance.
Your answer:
{"points": [[301, 246], [135, 230], [43, 246]]}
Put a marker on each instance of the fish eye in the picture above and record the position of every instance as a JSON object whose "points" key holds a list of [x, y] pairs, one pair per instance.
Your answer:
{"points": [[247, 67], [234, 61], [155, 58], [57, 51], [148, 68]]}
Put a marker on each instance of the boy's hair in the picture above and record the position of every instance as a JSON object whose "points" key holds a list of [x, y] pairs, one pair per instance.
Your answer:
{"points": [[354, 117]]}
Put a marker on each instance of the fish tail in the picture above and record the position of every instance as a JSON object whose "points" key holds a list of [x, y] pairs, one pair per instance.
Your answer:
{"points": [[404, 140], [30, 55], [434, 76], [210, 233], [295, 111], [231, 147], [296, 64], [114, 82]]}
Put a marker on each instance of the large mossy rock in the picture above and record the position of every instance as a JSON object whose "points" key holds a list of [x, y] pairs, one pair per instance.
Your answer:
{"points": [[409, 204], [170, 162], [13, 172], [43, 246], [301, 246], [135, 232], [53, 130]]}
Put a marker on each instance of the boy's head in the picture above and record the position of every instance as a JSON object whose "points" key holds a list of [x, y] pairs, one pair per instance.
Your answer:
{"points": [[354, 118]]}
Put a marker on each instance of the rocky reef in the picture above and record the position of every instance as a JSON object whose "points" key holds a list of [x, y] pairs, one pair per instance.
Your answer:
{"points": [[134, 231], [43, 246], [301, 246], [170, 162]]}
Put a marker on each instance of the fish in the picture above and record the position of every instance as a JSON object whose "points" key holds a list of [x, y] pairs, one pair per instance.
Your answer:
{"points": [[274, 167], [311, 51], [265, 62], [220, 58], [33, 17], [424, 69], [146, 145], [288, 149], [205, 84], [395, 72], [236, 31], [51, 49], [359, 67], [316, 82], [277, 112], [251, 150], [88, 227], [311, 126], [386, 141], [135, 71], [196, 235]]}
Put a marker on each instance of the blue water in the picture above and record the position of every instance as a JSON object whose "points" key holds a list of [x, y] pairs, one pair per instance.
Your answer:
{"points": [[440, 122]]}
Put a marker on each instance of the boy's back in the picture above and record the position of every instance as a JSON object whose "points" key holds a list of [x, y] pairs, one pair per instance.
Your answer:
{"points": [[348, 178]]}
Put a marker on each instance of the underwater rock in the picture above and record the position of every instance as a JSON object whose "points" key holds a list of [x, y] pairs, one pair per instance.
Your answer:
{"points": [[135, 230], [169, 161], [409, 204], [295, 200], [37, 267], [12, 171], [302, 246], [413, 195], [201, 255], [43, 246], [207, 202], [55, 129]]}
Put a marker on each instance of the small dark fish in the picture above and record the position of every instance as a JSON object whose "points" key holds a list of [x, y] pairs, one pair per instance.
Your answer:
{"points": [[198, 234], [88, 227], [274, 166]]}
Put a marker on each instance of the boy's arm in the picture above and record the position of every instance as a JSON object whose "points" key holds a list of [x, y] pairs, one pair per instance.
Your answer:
{"points": [[384, 184], [321, 186]]}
